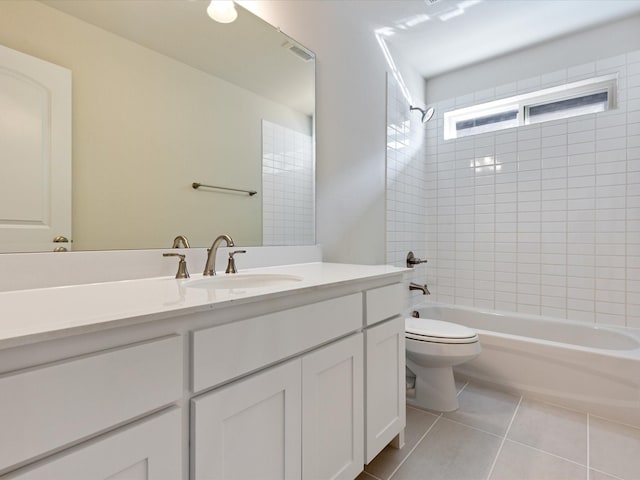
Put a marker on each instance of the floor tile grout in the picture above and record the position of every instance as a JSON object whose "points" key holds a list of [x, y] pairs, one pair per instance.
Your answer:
{"points": [[414, 447], [607, 473], [370, 475], [504, 439], [458, 422], [463, 387], [547, 453], [556, 405], [421, 410]]}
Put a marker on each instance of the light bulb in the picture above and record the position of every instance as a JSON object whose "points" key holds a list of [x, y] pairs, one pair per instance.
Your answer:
{"points": [[223, 11]]}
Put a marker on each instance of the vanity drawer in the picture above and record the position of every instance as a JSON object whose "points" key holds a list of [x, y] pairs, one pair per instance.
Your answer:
{"points": [[228, 351], [44, 408], [384, 303]]}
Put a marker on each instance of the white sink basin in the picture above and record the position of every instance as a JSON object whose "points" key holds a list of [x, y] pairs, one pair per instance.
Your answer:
{"points": [[241, 281]]}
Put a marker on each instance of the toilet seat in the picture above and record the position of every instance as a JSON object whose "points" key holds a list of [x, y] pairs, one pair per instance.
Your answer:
{"points": [[437, 331]]}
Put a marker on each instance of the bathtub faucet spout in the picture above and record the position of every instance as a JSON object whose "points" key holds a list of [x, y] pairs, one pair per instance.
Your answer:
{"points": [[422, 288]]}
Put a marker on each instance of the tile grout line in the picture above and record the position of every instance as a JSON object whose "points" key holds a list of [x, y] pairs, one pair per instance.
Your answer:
{"points": [[608, 474], [463, 387], [414, 447], [370, 475], [547, 453], [466, 425], [504, 439]]}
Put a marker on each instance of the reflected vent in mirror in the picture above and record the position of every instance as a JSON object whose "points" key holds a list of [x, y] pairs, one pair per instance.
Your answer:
{"points": [[298, 51]]}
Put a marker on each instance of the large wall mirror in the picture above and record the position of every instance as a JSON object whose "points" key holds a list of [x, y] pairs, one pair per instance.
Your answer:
{"points": [[164, 97]]}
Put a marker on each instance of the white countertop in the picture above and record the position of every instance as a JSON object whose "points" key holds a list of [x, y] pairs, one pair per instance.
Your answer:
{"points": [[32, 315]]}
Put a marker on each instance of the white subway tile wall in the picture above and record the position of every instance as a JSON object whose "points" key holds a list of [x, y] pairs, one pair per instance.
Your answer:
{"points": [[542, 219], [288, 186], [406, 190]]}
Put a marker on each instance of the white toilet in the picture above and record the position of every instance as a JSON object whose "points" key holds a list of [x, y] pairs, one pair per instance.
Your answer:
{"points": [[433, 348]]}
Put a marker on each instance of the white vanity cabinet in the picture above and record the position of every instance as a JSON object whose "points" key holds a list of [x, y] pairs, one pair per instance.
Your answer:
{"points": [[249, 429], [147, 450], [48, 407], [300, 419], [302, 385], [333, 411], [385, 361], [351, 404]]}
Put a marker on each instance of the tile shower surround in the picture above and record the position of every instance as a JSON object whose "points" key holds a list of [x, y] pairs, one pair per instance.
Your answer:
{"points": [[406, 196], [542, 219], [288, 181]]}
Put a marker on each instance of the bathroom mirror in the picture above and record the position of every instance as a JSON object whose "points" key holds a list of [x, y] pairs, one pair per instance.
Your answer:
{"points": [[164, 97]]}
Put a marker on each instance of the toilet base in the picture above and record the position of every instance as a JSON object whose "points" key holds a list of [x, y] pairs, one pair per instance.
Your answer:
{"points": [[435, 388]]}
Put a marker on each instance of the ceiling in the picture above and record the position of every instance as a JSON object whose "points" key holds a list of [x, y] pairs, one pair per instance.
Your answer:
{"points": [[248, 52], [437, 36]]}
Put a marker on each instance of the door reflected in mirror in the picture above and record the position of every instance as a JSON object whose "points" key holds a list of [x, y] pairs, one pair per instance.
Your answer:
{"points": [[162, 97]]}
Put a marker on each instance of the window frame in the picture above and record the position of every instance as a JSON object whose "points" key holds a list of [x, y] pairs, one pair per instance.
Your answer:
{"points": [[523, 102]]}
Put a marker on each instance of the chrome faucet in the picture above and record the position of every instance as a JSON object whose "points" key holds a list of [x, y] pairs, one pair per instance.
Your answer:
{"points": [[422, 288], [210, 267]]}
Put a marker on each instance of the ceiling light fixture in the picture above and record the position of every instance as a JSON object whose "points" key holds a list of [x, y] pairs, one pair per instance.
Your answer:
{"points": [[223, 11]]}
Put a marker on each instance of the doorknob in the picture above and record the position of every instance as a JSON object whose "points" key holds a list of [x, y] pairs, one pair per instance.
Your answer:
{"points": [[60, 239]]}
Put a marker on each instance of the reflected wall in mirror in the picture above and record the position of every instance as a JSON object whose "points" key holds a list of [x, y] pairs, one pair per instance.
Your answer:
{"points": [[163, 96]]}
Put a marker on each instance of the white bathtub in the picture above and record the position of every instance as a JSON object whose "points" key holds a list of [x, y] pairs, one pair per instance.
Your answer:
{"points": [[578, 365]]}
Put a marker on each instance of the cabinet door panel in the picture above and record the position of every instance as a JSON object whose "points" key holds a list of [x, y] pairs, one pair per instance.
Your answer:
{"points": [[260, 341], [332, 411], [137, 471], [148, 450], [385, 385], [384, 302], [60, 403], [250, 429]]}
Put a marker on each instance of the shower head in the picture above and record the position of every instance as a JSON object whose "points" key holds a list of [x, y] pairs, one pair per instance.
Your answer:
{"points": [[426, 114]]}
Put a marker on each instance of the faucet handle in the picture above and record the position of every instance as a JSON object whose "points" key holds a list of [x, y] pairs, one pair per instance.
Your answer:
{"points": [[412, 260], [182, 264], [231, 264], [180, 239]]}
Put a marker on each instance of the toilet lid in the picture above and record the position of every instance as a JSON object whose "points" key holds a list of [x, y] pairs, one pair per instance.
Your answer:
{"points": [[437, 330]]}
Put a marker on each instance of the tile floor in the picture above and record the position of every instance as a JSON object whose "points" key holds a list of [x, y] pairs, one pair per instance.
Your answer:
{"points": [[500, 436]]}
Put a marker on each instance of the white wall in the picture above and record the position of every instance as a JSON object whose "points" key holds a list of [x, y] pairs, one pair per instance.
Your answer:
{"points": [[554, 229], [350, 122]]}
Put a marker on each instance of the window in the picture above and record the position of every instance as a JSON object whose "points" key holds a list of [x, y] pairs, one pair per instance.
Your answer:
{"points": [[569, 100]]}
